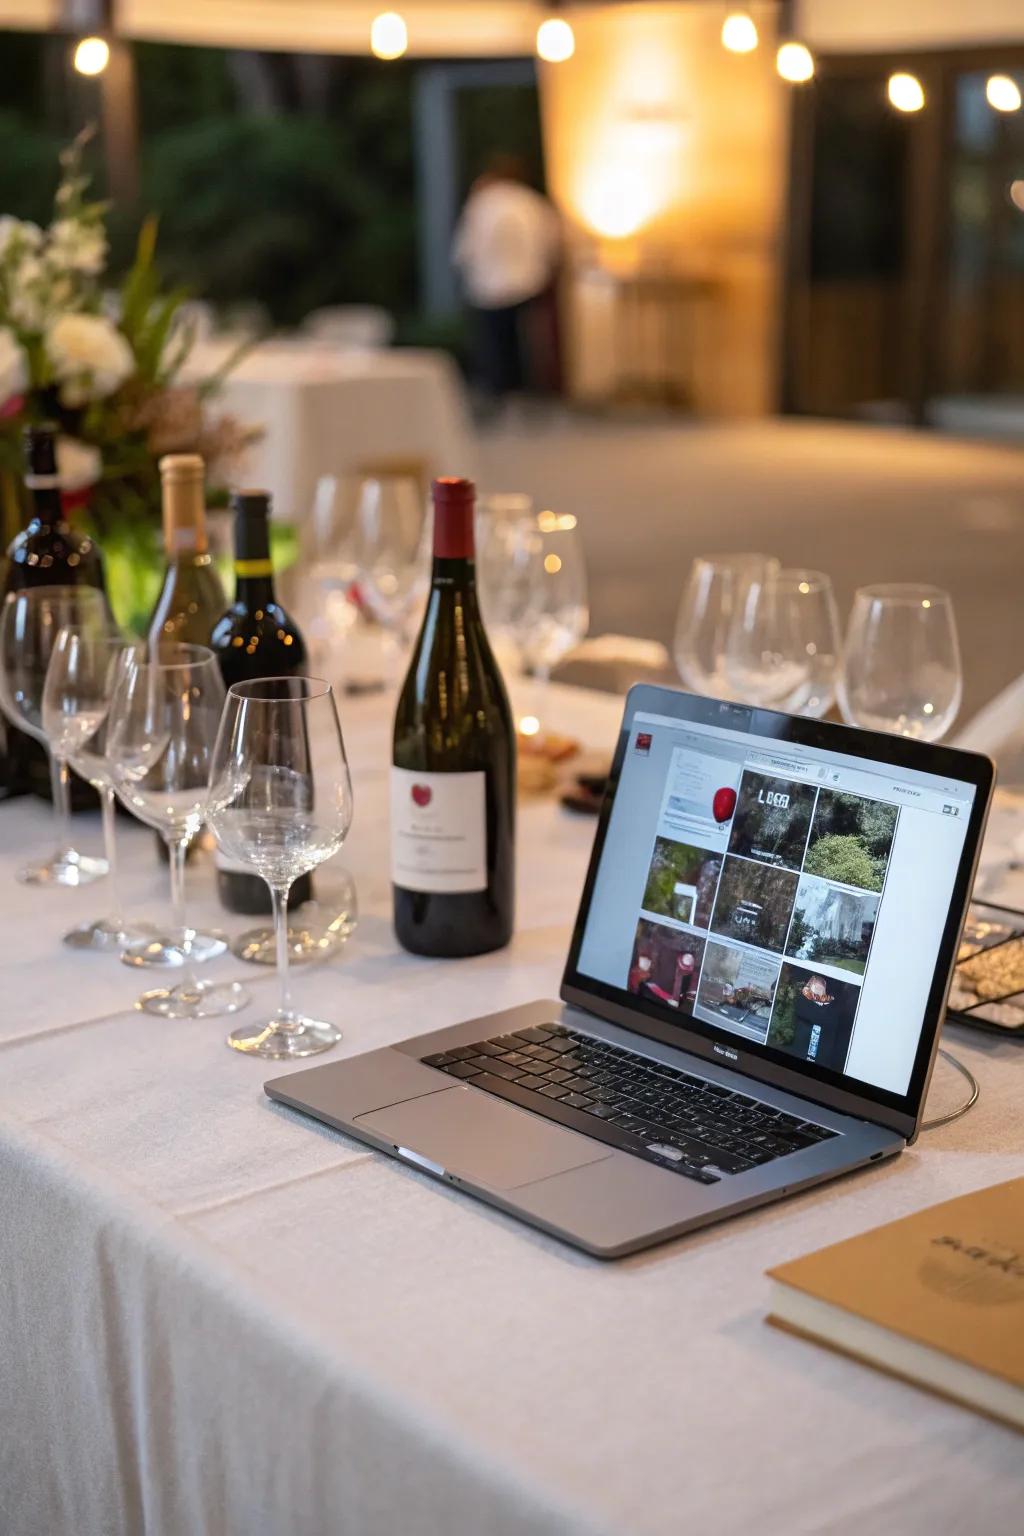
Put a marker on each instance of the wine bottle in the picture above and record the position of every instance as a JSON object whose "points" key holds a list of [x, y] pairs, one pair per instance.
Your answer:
{"points": [[47, 552], [255, 638], [453, 779], [192, 597]]}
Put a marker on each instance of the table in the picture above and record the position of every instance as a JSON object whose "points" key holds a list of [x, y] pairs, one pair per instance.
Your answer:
{"points": [[327, 411], [218, 1318]]}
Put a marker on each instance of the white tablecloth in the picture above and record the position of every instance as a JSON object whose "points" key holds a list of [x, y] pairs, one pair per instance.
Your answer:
{"points": [[325, 411], [217, 1318]]}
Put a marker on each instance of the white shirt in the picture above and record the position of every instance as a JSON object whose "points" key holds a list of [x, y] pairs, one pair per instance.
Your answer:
{"points": [[506, 244]]}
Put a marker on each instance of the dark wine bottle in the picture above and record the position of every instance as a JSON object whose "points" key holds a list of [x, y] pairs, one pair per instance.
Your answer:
{"points": [[192, 597], [47, 552], [255, 638], [453, 780]]}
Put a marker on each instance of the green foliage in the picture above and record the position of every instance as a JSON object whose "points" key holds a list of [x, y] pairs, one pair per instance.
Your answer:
{"points": [[783, 1025], [843, 858]]}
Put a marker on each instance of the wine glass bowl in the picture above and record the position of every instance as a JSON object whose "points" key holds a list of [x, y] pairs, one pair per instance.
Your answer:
{"points": [[558, 613], [901, 669], [280, 802], [712, 598], [391, 549], [782, 648], [30, 623]]}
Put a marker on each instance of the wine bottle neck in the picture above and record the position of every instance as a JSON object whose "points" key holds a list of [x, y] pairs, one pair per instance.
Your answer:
{"points": [[253, 589], [47, 509], [449, 573], [254, 572]]}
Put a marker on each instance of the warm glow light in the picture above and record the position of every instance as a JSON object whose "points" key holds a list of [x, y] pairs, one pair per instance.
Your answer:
{"points": [[529, 725], [739, 34], [389, 36], [92, 56], [1002, 93], [1017, 194], [556, 522], [556, 40], [552, 564], [795, 63], [906, 92], [805, 586]]}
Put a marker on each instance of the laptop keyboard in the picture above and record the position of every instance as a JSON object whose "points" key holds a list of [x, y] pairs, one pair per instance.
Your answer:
{"points": [[695, 1127]]}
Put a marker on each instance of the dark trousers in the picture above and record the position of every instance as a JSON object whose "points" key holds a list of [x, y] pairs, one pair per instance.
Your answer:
{"points": [[499, 349]]}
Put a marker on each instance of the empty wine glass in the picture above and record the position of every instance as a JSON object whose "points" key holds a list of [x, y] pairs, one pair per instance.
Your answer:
{"points": [[80, 680], [558, 616], [393, 562], [901, 661], [281, 801], [29, 625], [782, 649], [160, 737], [713, 595]]}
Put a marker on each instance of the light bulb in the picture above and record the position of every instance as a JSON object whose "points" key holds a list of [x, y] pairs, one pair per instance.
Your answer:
{"points": [[556, 40], [389, 36], [739, 33], [906, 92], [1002, 93], [795, 63], [92, 56]]}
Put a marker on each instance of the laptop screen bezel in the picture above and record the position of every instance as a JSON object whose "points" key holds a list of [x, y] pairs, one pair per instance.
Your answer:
{"points": [[654, 1021]]}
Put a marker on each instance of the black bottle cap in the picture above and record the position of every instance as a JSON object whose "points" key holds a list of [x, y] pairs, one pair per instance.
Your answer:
{"points": [[252, 533], [40, 444]]}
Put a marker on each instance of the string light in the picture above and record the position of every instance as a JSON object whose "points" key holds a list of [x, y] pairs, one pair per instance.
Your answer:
{"points": [[389, 36], [556, 40], [739, 32], [906, 92], [92, 55], [795, 63], [1002, 93]]}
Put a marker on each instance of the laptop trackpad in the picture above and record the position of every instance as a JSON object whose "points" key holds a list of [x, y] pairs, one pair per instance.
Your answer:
{"points": [[468, 1133]]}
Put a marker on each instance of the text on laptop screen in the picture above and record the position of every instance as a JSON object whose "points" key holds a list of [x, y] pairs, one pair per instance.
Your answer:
{"points": [[787, 895]]}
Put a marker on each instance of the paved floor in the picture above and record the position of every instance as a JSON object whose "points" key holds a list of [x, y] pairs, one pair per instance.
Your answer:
{"points": [[864, 503]]}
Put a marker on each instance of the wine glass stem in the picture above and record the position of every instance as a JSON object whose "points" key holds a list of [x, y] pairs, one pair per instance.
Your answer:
{"points": [[110, 849], [59, 782], [176, 852], [279, 900]]}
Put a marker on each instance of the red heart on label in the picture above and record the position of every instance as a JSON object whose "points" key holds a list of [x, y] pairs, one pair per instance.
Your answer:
{"points": [[422, 794], [723, 805]]}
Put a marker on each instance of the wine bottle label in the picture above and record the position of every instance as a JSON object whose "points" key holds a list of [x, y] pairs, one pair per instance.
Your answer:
{"points": [[439, 831]]}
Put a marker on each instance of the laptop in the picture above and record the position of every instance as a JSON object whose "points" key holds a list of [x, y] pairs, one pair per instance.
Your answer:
{"points": [[752, 998]]}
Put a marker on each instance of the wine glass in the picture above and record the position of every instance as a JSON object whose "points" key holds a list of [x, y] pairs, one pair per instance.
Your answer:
{"points": [[782, 650], [29, 625], [281, 801], [76, 701], [558, 614], [901, 661], [316, 930], [508, 553], [713, 595], [393, 555], [160, 736]]}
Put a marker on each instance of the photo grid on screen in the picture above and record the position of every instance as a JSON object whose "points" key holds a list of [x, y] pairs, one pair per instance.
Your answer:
{"points": [[760, 903]]}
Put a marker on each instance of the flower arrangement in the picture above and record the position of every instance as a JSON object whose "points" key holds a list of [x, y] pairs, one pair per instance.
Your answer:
{"points": [[107, 366]]}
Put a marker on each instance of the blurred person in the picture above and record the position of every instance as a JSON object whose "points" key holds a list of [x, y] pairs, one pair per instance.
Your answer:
{"points": [[507, 247]]}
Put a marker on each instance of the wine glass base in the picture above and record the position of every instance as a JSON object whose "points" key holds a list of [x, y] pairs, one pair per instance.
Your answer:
{"points": [[194, 1000], [66, 869], [107, 934], [259, 946], [284, 1039], [163, 951]]}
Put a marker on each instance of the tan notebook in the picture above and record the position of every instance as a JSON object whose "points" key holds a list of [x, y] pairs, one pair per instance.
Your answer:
{"points": [[937, 1298]]}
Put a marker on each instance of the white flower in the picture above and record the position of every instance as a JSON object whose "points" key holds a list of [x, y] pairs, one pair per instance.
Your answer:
{"points": [[18, 235], [90, 357], [79, 464], [13, 365], [78, 245]]}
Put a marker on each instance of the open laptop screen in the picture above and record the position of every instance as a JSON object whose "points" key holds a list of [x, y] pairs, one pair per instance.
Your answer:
{"points": [[779, 893]]}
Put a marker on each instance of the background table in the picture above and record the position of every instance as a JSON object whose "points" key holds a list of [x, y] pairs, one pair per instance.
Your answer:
{"points": [[216, 1317], [327, 411]]}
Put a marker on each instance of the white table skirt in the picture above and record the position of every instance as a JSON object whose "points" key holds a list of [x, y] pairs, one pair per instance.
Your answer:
{"points": [[218, 1318], [336, 412]]}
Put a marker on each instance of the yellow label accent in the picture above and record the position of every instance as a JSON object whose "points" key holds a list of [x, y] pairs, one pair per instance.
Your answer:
{"points": [[254, 568]]}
